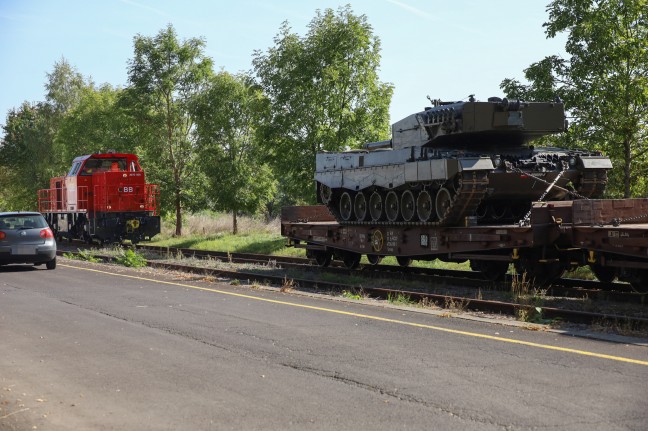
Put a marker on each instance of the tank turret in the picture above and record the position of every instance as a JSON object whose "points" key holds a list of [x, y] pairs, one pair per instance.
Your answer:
{"points": [[460, 159]]}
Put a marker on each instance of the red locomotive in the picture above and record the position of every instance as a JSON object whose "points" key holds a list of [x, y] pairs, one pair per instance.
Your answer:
{"points": [[104, 197]]}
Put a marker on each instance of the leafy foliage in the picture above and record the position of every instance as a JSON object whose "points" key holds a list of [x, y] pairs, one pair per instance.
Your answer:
{"points": [[324, 93], [96, 124], [604, 83], [130, 258], [237, 175], [164, 75], [29, 153]]}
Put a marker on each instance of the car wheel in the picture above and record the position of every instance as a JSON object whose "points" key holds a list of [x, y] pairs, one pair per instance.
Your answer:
{"points": [[51, 264]]}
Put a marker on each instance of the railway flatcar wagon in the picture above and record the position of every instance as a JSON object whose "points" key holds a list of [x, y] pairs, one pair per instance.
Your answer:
{"points": [[103, 198], [609, 235]]}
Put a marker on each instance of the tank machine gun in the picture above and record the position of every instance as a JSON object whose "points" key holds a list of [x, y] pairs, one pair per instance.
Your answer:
{"points": [[456, 160]]}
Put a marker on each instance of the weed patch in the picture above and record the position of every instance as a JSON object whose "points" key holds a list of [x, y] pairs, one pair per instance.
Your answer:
{"points": [[85, 255], [354, 294], [400, 299], [130, 258], [288, 285]]}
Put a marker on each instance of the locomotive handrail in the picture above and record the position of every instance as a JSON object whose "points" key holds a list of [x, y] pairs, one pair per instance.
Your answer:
{"points": [[152, 198], [57, 199]]}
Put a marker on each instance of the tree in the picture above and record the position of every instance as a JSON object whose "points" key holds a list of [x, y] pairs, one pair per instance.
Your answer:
{"points": [[27, 159], [65, 86], [237, 175], [324, 93], [164, 75], [96, 124], [604, 83]]}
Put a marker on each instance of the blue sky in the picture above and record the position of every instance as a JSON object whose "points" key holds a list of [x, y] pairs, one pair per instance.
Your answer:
{"points": [[447, 49]]}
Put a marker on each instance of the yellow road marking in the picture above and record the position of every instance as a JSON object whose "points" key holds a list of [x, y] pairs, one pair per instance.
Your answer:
{"points": [[377, 318]]}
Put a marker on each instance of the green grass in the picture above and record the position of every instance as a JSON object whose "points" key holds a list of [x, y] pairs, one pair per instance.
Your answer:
{"points": [[87, 255], [130, 258], [262, 243]]}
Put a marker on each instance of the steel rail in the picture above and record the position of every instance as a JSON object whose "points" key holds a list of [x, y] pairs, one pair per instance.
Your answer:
{"points": [[566, 287]]}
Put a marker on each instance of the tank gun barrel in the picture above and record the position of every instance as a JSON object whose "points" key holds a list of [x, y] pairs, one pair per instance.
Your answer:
{"points": [[378, 145]]}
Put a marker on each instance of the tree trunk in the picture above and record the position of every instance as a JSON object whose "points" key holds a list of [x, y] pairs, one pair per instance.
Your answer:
{"points": [[234, 223], [627, 177], [178, 231]]}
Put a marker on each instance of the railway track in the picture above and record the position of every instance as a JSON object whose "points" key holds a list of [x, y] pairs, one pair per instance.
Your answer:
{"points": [[277, 269], [566, 287]]}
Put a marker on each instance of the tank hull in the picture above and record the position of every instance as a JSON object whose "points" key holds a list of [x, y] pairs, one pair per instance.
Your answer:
{"points": [[460, 160]]}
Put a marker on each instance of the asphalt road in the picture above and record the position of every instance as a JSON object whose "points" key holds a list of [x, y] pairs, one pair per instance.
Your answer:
{"points": [[98, 347]]}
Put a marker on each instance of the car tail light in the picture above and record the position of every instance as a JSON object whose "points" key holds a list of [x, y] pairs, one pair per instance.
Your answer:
{"points": [[2, 235], [46, 233]]}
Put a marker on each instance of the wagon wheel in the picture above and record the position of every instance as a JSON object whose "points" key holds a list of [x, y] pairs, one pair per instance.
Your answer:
{"points": [[376, 206], [408, 206], [490, 270], [360, 207], [351, 260], [323, 258], [424, 206], [374, 259], [606, 274], [346, 206], [392, 207], [542, 273], [404, 261]]}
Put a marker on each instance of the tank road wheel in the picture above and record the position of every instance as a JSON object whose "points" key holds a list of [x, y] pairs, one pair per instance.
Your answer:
{"points": [[346, 206], [351, 260], [404, 261], [376, 206], [498, 212], [493, 270], [325, 194], [424, 206], [374, 259], [392, 207], [443, 203], [408, 206], [360, 207]]}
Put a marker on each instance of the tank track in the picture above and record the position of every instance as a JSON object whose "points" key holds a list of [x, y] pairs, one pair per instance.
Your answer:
{"points": [[471, 188]]}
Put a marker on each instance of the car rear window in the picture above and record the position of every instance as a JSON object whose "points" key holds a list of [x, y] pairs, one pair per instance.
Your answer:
{"points": [[27, 221]]}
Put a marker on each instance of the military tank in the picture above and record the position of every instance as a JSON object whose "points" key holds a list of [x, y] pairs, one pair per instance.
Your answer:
{"points": [[461, 161]]}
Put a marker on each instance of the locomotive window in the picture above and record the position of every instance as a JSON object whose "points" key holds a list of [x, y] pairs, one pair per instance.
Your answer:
{"points": [[74, 169], [134, 167], [114, 165], [91, 167]]}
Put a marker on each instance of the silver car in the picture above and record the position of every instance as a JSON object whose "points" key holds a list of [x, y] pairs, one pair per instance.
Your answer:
{"points": [[25, 237]]}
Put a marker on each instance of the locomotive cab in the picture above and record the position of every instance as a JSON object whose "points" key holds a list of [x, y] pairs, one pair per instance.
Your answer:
{"points": [[103, 197]]}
